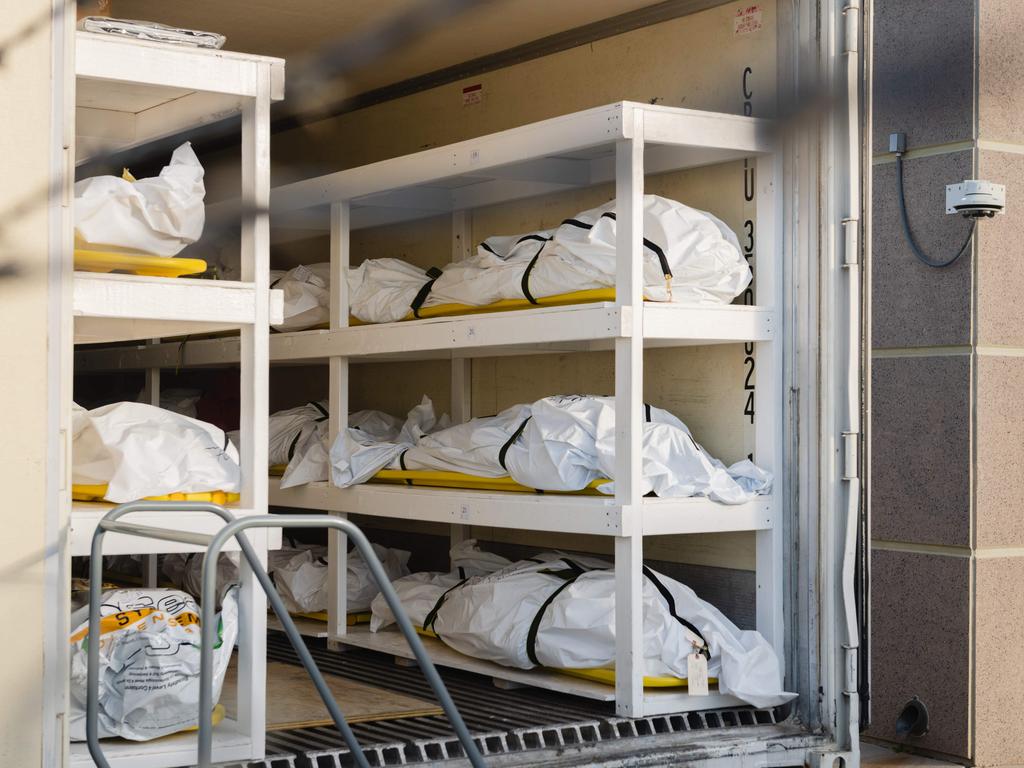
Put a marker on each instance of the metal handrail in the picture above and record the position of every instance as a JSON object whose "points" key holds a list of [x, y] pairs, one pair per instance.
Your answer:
{"points": [[235, 529]]}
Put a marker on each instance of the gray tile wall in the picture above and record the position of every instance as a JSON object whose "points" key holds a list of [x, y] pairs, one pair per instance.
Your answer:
{"points": [[999, 512], [1000, 64], [920, 462], [914, 305], [999, 662], [922, 331], [924, 70], [921, 646], [1000, 242]]}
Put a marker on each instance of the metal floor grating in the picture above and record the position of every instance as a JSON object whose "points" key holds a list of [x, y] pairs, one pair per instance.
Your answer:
{"points": [[504, 721]]}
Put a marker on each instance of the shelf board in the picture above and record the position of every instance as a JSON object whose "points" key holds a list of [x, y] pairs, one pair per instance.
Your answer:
{"points": [[598, 515], [567, 152], [178, 749], [579, 327], [114, 307], [656, 701], [85, 516], [307, 627], [130, 92]]}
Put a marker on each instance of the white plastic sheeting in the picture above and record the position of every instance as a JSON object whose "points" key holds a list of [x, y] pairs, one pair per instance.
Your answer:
{"points": [[693, 251], [299, 438], [140, 450], [149, 662], [420, 592], [359, 453], [299, 573], [560, 613], [699, 251], [559, 443], [158, 216], [307, 296]]}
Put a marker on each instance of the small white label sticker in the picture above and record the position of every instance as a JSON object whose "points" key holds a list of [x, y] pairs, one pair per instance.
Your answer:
{"points": [[747, 20], [472, 94], [697, 674]]}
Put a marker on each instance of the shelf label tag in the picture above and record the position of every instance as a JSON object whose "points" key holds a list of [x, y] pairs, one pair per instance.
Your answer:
{"points": [[472, 94], [697, 674], [747, 20]]}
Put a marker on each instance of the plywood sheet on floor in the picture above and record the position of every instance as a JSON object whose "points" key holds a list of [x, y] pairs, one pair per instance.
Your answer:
{"points": [[293, 702]]}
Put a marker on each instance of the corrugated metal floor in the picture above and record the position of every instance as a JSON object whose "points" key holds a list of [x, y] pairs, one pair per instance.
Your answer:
{"points": [[503, 721]]}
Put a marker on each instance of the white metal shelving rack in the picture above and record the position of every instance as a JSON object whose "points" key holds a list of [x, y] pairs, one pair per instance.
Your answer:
{"points": [[129, 93], [619, 143]]}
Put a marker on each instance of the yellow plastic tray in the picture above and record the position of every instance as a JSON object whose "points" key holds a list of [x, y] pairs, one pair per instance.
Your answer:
{"points": [[351, 620], [606, 676], [432, 479], [99, 492], [136, 263], [505, 305]]}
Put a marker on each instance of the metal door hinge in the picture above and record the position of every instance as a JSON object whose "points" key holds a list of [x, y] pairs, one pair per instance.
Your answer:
{"points": [[851, 455], [851, 247]]}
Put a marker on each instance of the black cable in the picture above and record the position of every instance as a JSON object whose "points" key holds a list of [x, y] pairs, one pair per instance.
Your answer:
{"points": [[910, 236]]}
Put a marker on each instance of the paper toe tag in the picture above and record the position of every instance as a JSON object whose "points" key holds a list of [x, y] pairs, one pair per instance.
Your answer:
{"points": [[697, 674]]}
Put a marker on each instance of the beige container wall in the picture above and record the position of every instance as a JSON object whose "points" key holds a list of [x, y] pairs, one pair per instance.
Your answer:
{"points": [[25, 93], [696, 61]]}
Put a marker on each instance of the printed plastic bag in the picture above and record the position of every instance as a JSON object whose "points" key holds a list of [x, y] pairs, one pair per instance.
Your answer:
{"points": [[157, 216], [149, 662]]}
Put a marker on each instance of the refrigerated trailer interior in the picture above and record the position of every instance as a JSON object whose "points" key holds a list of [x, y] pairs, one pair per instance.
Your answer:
{"points": [[752, 111]]}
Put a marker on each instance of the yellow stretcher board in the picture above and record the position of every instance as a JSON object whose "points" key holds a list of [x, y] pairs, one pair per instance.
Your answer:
{"points": [[505, 305], [424, 478], [136, 263], [351, 619], [434, 479], [606, 676], [99, 492]]}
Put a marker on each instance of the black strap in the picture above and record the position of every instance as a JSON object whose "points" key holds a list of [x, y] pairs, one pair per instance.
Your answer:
{"points": [[655, 248], [508, 443], [320, 408], [291, 448], [428, 622], [578, 223], [524, 283], [488, 248], [277, 281], [531, 636], [538, 238], [401, 463], [647, 412], [433, 273], [671, 601]]}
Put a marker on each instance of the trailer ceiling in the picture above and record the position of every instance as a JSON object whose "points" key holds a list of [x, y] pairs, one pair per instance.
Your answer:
{"points": [[274, 28]]}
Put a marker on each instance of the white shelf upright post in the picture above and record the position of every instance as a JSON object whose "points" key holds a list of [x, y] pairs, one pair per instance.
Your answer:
{"points": [[462, 367], [770, 405], [255, 365], [629, 383], [337, 542], [151, 563]]}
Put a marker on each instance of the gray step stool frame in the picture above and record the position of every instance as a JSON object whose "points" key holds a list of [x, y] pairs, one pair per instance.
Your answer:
{"points": [[233, 529]]}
